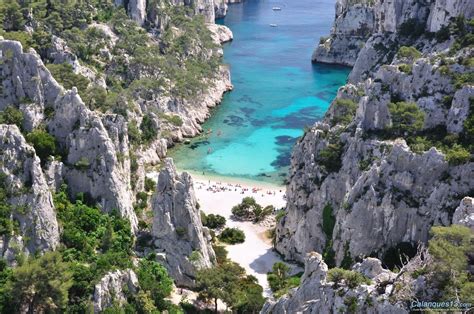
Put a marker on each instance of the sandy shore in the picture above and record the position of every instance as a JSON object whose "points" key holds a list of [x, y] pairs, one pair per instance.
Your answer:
{"points": [[255, 254]]}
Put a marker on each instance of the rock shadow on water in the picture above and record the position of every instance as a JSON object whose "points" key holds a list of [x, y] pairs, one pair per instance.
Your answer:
{"points": [[296, 121], [197, 144], [247, 111], [248, 100]]}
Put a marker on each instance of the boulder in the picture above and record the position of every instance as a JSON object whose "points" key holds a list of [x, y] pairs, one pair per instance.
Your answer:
{"points": [[113, 289]]}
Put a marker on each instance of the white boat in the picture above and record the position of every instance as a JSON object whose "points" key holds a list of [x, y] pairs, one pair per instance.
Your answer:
{"points": [[273, 25], [276, 9]]}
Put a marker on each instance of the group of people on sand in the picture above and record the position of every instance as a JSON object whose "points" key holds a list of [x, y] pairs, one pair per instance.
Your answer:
{"points": [[229, 187]]}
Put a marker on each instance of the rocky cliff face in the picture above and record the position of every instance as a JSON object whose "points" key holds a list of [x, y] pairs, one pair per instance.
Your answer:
{"points": [[143, 11], [28, 198], [317, 294], [357, 21], [91, 142], [182, 243], [356, 189]]}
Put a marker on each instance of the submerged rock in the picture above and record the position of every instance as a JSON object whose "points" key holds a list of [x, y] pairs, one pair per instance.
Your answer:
{"points": [[182, 243]]}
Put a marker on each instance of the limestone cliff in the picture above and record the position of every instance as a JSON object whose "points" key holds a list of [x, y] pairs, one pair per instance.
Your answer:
{"points": [[145, 11], [357, 21], [91, 142], [182, 243], [318, 294], [28, 198], [357, 188]]}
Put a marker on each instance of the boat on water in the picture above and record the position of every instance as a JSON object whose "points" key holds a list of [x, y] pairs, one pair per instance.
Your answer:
{"points": [[273, 25], [276, 9]]}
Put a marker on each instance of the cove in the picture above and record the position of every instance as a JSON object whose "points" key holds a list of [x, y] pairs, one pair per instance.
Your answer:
{"points": [[277, 91]]}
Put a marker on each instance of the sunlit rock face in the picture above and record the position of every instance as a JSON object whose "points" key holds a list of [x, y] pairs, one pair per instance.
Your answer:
{"points": [[182, 243]]}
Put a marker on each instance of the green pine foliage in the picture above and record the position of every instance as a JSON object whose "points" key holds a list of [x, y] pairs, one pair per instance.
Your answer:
{"points": [[279, 280]]}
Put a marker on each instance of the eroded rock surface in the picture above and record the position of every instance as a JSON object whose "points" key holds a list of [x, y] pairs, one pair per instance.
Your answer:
{"points": [[29, 197], [182, 243], [113, 289]]}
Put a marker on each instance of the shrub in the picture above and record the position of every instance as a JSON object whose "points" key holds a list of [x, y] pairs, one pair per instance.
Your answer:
{"points": [[260, 213], [43, 142], [350, 278], [221, 253], [329, 221], [457, 155], [246, 209], [344, 111], [12, 115], [65, 76], [450, 248], [405, 68], [82, 164], [134, 136], [173, 119], [280, 214], [330, 157], [279, 281], [148, 128], [181, 231], [232, 236], [154, 279], [409, 52], [213, 221], [407, 118], [150, 184]]}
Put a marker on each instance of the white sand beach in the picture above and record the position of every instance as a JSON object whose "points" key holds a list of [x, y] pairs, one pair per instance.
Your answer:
{"points": [[255, 254]]}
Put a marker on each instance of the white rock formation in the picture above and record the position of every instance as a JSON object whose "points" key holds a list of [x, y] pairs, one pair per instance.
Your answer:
{"points": [[316, 294], [464, 214], [381, 193], [137, 10], [443, 10], [220, 33], [182, 243], [29, 196], [98, 142], [112, 288]]}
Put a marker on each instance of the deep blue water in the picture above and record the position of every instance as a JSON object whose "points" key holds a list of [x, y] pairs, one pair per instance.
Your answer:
{"points": [[277, 91]]}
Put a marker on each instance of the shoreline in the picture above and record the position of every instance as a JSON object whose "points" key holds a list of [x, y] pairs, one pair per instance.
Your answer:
{"points": [[198, 176]]}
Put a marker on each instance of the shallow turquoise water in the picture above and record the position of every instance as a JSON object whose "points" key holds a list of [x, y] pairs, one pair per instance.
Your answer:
{"points": [[277, 91]]}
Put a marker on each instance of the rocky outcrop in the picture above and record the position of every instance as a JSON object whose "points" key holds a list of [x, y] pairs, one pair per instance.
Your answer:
{"points": [[28, 196], [442, 11], [143, 11], [355, 188], [353, 25], [220, 33], [114, 288], [317, 294], [182, 243], [95, 145], [357, 21], [464, 213]]}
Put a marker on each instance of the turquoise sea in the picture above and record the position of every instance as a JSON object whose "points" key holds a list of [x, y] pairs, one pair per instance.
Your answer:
{"points": [[277, 91]]}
